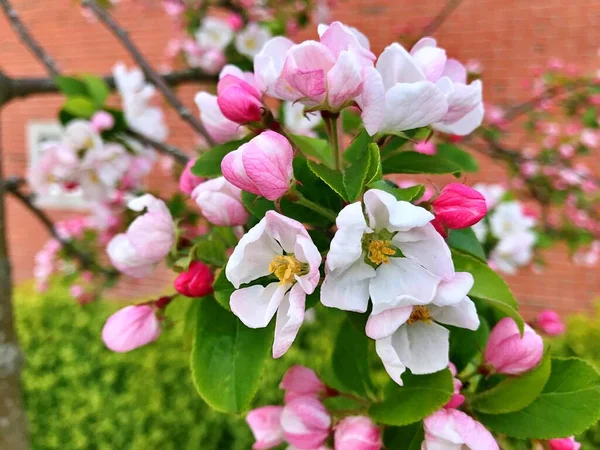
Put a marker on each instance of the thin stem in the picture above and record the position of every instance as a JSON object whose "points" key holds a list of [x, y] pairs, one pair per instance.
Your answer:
{"points": [[331, 122], [301, 200], [160, 147], [28, 39], [185, 114]]}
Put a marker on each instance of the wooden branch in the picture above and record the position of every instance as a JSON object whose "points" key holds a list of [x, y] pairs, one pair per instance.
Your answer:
{"points": [[160, 147], [185, 114], [440, 18]]}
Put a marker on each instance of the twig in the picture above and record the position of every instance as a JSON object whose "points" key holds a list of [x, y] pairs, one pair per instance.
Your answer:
{"points": [[161, 147], [28, 39], [150, 73], [441, 17], [86, 261]]}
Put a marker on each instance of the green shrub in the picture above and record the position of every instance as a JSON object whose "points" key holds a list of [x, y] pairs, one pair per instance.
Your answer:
{"points": [[79, 395]]}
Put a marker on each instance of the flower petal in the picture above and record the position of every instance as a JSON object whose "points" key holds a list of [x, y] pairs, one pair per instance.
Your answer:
{"points": [[256, 305], [422, 347], [396, 65], [463, 314], [385, 212], [389, 358], [453, 291], [348, 289], [344, 80], [290, 316], [385, 324], [346, 245]]}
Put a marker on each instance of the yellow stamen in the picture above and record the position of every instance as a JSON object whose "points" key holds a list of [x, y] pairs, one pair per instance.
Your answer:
{"points": [[285, 267], [419, 314], [380, 251]]}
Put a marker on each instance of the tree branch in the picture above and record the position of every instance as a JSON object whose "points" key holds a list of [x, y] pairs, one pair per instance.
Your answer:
{"points": [[28, 39], [87, 262], [161, 147], [440, 18], [185, 114]]}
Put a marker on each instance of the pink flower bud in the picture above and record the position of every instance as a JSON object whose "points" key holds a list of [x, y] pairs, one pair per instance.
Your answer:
{"points": [[511, 354], [306, 423], [262, 166], [301, 381], [238, 100], [130, 328], [357, 433], [551, 323], [265, 424], [102, 121], [188, 181], [221, 203], [459, 206], [457, 398], [197, 281], [449, 428], [564, 444], [235, 21], [425, 147]]}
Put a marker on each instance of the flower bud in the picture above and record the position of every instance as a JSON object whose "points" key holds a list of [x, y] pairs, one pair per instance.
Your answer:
{"points": [[306, 423], [238, 100], [509, 353], [188, 181], [357, 433], [459, 206], [457, 398], [262, 166], [221, 203], [197, 281], [102, 121], [301, 381], [130, 328], [564, 444], [550, 323], [265, 424], [425, 147]]}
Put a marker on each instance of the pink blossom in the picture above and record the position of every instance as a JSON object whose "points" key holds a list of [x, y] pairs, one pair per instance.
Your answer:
{"points": [[262, 166], [265, 424], [566, 150], [550, 322], [301, 381], [130, 328], [238, 100], [556, 63], [174, 8], [357, 433], [188, 181], [474, 66], [529, 169], [197, 281], [564, 444], [306, 423], [457, 398], [220, 128], [495, 116], [235, 21], [221, 202], [459, 206], [509, 353], [102, 121], [590, 138], [425, 147], [451, 428]]}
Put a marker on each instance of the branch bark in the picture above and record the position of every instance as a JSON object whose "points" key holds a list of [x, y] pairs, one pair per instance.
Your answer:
{"points": [[123, 37], [161, 147], [441, 17]]}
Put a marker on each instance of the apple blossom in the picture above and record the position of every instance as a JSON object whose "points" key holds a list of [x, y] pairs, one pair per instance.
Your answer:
{"points": [[450, 429], [214, 33], [251, 40], [509, 218], [280, 246], [238, 99], [306, 423], [550, 323], [564, 444], [425, 147], [196, 281], [219, 127], [458, 206], [457, 398], [357, 433], [298, 121], [265, 424], [301, 381], [262, 166], [513, 251], [492, 193], [130, 328], [509, 353], [188, 181], [221, 202], [101, 121]]}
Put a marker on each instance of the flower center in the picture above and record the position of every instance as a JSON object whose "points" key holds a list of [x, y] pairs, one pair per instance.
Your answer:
{"points": [[285, 267], [380, 251], [419, 314]]}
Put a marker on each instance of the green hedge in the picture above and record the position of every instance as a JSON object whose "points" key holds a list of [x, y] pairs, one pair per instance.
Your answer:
{"points": [[79, 395]]}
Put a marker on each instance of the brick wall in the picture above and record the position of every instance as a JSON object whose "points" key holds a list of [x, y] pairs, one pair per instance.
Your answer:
{"points": [[508, 36]]}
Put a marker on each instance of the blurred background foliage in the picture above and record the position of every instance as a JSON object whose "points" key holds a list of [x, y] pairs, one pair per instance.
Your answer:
{"points": [[79, 395]]}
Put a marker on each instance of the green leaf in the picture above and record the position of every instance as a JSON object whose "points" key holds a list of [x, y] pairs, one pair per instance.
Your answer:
{"points": [[489, 288], [333, 178], [409, 437], [81, 107], [466, 344], [568, 405], [257, 206], [514, 393], [227, 358], [97, 89], [355, 176], [223, 289], [420, 396], [350, 361], [71, 86], [413, 162], [357, 148], [466, 241], [208, 163], [375, 170], [457, 155], [403, 194], [314, 148]]}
